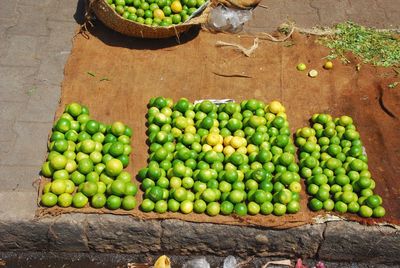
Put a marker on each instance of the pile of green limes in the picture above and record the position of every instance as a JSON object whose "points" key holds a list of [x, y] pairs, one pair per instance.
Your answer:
{"points": [[156, 12], [231, 158], [335, 167], [86, 161]]}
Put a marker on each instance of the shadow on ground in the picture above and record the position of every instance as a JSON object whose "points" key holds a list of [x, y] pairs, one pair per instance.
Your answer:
{"points": [[113, 38]]}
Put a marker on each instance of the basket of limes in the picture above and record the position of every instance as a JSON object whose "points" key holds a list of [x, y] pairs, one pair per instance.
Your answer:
{"points": [[150, 18]]}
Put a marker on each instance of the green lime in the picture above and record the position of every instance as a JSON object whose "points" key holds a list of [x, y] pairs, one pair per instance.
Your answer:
{"points": [[186, 206], [77, 177], [63, 125], [114, 167], [118, 128], [61, 174], [161, 206], [236, 196], [315, 204], [378, 212], [293, 207], [240, 209], [209, 195], [373, 201], [92, 127], [116, 149], [180, 194], [118, 188], [347, 197], [226, 208], [322, 194], [155, 194], [213, 209], [353, 207], [200, 206], [279, 209], [101, 187], [266, 208], [49, 199], [74, 109], [113, 202], [56, 163], [365, 211], [85, 166], [64, 200], [341, 207], [173, 205], [60, 146], [128, 202], [98, 200], [56, 135], [253, 208], [79, 200], [89, 188]]}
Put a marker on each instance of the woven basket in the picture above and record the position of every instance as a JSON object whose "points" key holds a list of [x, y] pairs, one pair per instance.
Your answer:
{"points": [[127, 27]]}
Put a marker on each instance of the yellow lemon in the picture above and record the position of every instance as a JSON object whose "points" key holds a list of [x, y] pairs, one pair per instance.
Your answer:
{"points": [[190, 121], [218, 148], [214, 130], [240, 175], [190, 129], [251, 148], [282, 114], [176, 7], [158, 13], [227, 140], [228, 150], [276, 107], [242, 150], [216, 123], [236, 142], [328, 65], [212, 139], [206, 148]]}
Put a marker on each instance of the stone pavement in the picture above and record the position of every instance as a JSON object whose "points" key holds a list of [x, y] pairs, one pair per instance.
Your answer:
{"points": [[35, 41], [310, 13]]}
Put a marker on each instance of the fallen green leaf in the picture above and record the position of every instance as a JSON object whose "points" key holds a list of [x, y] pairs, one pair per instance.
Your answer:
{"points": [[393, 85]]}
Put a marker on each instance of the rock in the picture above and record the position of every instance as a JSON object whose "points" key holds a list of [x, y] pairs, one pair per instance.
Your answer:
{"points": [[224, 240], [122, 234], [350, 241], [24, 235], [68, 233]]}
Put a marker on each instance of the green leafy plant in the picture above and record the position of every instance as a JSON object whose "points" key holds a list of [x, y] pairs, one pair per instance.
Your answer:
{"points": [[378, 47]]}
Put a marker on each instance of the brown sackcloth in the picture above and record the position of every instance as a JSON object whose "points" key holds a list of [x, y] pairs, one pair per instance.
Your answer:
{"points": [[138, 70]]}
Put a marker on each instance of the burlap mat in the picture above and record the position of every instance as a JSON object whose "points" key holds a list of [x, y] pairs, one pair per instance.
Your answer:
{"points": [[138, 70]]}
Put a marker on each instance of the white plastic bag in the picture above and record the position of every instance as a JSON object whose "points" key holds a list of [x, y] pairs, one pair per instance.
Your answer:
{"points": [[230, 262], [197, 263], [227, 19]]}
